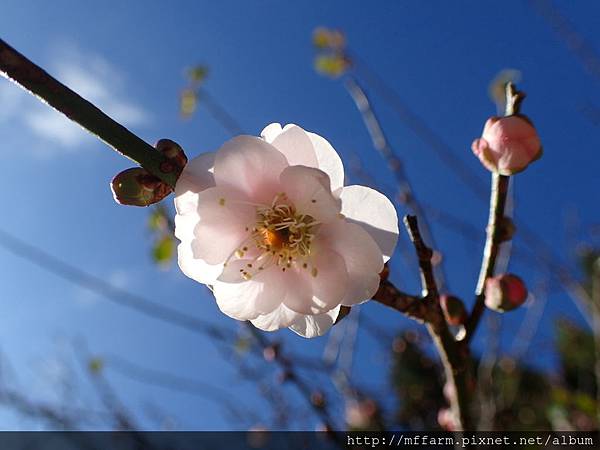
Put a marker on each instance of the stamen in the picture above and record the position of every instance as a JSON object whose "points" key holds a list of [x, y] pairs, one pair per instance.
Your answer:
{"points": [[282, 233]]}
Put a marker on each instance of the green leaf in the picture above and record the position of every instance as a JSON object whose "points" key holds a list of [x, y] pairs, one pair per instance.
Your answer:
{"points": [[197, 74], [333, 65], [328, 39], [188, 102], [95, 365], [164, 250], [158, 219]]}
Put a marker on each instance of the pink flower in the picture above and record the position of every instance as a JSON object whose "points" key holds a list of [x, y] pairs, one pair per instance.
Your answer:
{"points": [[269, 225], [508, 145], [505, 292]]}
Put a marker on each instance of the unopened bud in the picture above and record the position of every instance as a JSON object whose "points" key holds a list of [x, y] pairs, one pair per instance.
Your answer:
{"points": [[270, 352], [454, 310], [137, 187], [506, 229], [508, 144], [176, 159], [505, 292], [446, 419]]}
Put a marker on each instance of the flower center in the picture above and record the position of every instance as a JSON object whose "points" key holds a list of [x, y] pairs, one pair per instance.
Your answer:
{"points": [[281, 235], [283, 232]]}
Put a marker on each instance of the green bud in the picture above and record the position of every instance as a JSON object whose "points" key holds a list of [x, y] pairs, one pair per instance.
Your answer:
{"points": [[137, 187]]}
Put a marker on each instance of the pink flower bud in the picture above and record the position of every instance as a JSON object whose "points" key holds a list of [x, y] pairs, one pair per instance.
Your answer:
{"points": [[508, 145], [505, 292], [446, 419], [454, 310]]}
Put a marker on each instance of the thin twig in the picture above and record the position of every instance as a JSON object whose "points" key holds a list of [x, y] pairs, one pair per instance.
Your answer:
{"points": [[490, 252], [494, 230], [419, 126], [220, 114], [411, 305], [424, 254], [454, 355], [395, 164], [32, 78]]}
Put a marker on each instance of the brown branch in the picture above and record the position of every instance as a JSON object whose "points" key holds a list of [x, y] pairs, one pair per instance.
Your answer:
{"points": [[32, 78], [411, 305], [424, 254], [490, 252], [454, 355]]}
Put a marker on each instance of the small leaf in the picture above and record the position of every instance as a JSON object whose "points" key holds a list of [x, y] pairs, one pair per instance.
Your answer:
{"points": [[321, 38], [327, 39], [188, 102], [331, 65], [158, 219], [95, 365], [164, 250], [197, 74]]}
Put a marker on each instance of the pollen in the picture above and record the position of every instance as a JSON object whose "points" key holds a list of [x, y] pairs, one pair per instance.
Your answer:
{"points": [[273, 238], [283, 234], [222, 201]]}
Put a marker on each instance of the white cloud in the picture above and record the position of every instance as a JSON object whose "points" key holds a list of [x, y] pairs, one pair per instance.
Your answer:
{"points": [[91, 76]]}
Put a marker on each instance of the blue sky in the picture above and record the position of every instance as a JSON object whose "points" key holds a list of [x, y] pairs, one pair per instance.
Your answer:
{"points": [[129, 58]]}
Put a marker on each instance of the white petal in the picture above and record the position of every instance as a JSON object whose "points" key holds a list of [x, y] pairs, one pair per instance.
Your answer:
{"points": [[299, 292], [320, 286], [329, 280], [271, 131], [250, 299], [195, 177], [362, 257], [310, 192], [297, 147], [281, 317], [237, 299], [223, 226], [250, 165], [313, 326], [328, 160], [195, 268], [375, 213]]}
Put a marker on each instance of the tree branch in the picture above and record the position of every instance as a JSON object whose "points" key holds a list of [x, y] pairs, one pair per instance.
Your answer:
{"points": [[410, 305], [494, 232], [424, 254], [32, 78], [427, 309]]}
